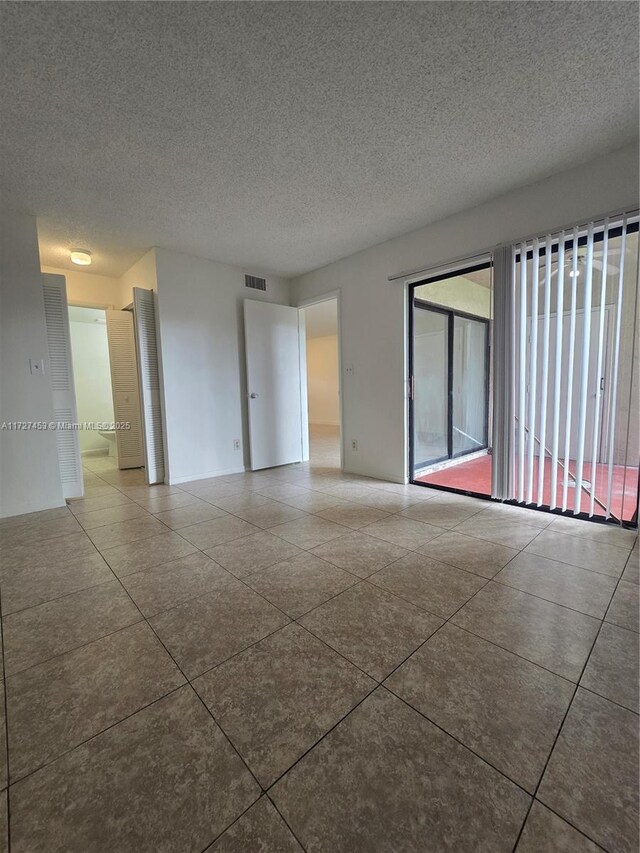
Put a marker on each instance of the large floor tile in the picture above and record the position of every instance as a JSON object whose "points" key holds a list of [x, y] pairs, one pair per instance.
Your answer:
{"points": [[443, 511], [284, 492], [436, 587], [552, 636], [313, 501], [580, 551], [579, 589], [309, 532], [124, 532], [245, 500], [163, 780], [545, 832], [145, 553], [270, 514], [299, 584], [37, 531], [27, 586], [260, 829], [146, 493], [612, 670], [203, 632], [111, 498], [250, 554], [501, 530], [370, 627], [111, 515], [43, 515], [389, 502], [496, 511], [183, 516], [353, 515], [54, 706], [465, 552], [169, 584], [631, 572], [405, 532], [213, 492], [592, 775], [48, 553], [624, 606], [609, 534], [4, 769], [386, 779], [278, 698], [206, 534], [39, 633], [360, 554], [504, 708], [163, 503]]}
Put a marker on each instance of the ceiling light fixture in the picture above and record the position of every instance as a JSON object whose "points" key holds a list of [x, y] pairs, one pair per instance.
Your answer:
{"points": [[81, 257]]}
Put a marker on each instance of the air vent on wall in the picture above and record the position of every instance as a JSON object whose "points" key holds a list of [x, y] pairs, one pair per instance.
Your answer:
{"points": [[255, 283]]}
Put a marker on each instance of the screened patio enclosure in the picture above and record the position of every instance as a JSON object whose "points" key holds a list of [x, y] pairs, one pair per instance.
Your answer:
{"points": [[563, 424]]}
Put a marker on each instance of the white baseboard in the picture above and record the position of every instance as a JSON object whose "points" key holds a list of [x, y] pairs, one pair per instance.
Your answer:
{"points": [[192, 478]]}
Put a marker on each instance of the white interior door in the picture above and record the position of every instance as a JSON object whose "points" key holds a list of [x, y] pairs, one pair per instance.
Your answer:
{"points": [[61, 377], [125, 388], [274, 384], [144, 316]]}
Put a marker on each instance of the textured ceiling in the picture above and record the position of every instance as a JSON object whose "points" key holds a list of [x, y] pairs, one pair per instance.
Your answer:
{"points": [[281, 136]]}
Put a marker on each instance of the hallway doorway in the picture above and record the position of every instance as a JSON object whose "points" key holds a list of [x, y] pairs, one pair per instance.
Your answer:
{"points": [[323, 381]]}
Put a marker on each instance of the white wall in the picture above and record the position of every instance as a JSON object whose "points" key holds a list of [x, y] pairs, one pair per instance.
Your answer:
{"points": [[322, 380], [373, 310], [203, 364], [92, 376], [142, 274], [84, 288], [29, 477]]}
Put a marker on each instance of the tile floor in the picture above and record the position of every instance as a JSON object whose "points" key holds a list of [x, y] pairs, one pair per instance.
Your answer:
{"points": [[298, 659]]}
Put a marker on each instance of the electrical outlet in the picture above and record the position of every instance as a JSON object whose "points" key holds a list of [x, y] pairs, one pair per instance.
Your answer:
{"points": [[236, 444], [354, 443], [350, 370]]}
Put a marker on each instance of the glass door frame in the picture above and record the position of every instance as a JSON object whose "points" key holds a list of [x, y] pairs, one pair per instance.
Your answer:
{"points": [[451, 313]]}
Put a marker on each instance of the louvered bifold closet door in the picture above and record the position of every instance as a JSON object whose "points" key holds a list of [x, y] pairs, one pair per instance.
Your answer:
{"points": [[62, 387], [125, 388], [144, 314]]}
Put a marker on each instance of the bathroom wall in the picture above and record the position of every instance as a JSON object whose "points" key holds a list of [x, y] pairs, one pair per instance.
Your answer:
{"points": [[92, 375]]}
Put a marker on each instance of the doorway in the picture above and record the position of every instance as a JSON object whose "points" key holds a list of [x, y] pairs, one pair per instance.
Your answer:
{"points": [[323, 381], [92, 377], [450, 380]]}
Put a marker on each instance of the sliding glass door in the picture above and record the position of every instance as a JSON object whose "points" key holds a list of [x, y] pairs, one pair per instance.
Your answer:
{"points": [[449, 384], [430, 386]]}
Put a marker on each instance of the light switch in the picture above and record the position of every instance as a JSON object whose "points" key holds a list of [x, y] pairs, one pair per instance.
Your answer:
{"points": [[36, 366]]}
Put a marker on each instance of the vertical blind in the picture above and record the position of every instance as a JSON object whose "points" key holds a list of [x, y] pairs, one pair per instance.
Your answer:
{"points": [[565, 370]]}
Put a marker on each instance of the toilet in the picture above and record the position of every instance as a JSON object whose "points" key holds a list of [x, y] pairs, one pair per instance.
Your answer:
{"points": [[110, 435]]}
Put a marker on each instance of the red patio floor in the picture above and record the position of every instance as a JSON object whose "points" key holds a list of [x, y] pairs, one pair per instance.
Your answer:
{"points": [[475, 476]]}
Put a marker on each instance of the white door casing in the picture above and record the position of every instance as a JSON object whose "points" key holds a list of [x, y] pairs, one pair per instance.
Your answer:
{"points": [[144, 314]]}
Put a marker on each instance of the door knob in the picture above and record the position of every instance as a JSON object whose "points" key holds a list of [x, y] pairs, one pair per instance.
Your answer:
{"points": [[253, 396]]}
